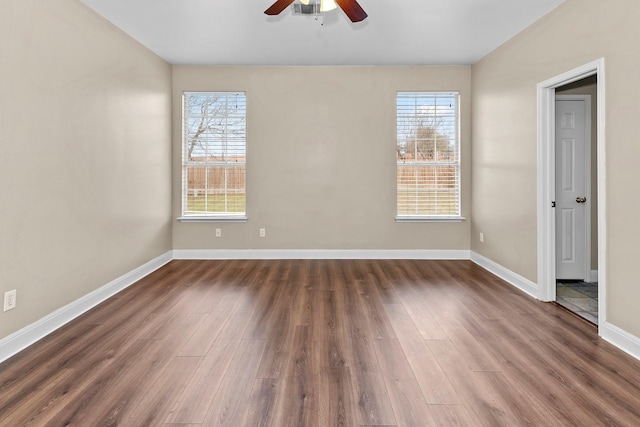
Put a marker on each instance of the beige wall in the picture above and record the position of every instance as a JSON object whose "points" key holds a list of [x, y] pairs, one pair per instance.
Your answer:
{"points": [[504, 140], [589, 86], [321, 157], [85, 156]]}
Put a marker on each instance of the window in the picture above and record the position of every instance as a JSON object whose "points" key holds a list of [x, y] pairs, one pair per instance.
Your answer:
{"points": [[214, 155], [428, 155]]}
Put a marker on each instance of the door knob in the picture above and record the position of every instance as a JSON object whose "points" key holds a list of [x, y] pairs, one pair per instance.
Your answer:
{"points": [[581, 199]]}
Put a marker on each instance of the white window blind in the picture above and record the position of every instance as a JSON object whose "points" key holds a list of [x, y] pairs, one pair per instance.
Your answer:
{"points": [[214, 154], [428, 155]]}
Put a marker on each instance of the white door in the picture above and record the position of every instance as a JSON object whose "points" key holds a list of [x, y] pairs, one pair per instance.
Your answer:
{"points": [[573, 149]]}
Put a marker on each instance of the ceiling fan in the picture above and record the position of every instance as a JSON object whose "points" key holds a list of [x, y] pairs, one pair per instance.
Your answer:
{"points": [[350, 7]]}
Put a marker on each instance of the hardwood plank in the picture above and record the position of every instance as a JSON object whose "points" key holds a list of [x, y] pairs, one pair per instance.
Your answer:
{"points": [[318, 274], [451, 415], [542, 383], [109, 393], [317, 384], [194, 402], [147, 365], [357, 332], [285, 315], [262, 402], [373, 310], [153, 406], [336, 380], [228, 404], [475, 388], [23, 375], [590, 380], [477, 353], [94, 373], [510, 329], [337, 397], [271, 302], [433, 382], [374, 275], [407, 399], [203, 295], [207, 333], [299, 407], [417, 303], [176, 292], [38, 403]]}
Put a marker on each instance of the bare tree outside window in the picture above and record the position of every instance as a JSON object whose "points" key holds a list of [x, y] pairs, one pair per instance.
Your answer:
{"points": [[425, 143]]}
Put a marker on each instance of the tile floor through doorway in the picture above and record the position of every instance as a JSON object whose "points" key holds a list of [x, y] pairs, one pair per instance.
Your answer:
{"points": [[579, 297]]}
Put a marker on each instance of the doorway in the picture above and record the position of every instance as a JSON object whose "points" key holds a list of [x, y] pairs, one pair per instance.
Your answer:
{"points": [[547, 252], [576, 203]]}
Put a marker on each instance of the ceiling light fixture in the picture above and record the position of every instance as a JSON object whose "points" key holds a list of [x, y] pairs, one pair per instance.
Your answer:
{"points": [[317, 7], [314, 7], [325, 5]]}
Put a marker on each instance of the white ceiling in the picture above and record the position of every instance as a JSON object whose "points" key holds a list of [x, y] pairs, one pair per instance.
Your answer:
{"points": [[397, 32]]}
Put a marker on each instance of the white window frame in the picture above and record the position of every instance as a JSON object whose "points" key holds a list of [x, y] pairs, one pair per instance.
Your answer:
{"points": [[455, 164], [186, 215]]}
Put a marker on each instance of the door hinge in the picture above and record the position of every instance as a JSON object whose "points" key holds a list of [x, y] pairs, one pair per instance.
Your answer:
{"points": [[553, 204]]}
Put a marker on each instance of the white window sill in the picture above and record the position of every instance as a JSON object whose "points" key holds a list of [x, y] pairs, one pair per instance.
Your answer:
{"points": [[213, 218], [430, 218]]}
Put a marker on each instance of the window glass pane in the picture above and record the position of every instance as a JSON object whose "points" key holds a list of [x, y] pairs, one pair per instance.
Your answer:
{"points": [[214, 181], [427, 190], [427, 145]]}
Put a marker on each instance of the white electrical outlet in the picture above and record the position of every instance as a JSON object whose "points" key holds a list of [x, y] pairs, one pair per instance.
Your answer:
{"points": [[218, 232], [263, 232], [481, 237], [10, 300]]}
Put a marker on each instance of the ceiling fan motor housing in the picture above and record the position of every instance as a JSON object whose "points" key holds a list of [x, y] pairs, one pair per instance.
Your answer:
{"points": [[312, 8]]}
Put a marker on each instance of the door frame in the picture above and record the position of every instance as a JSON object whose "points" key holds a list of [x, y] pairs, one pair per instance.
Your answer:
{"points": [[546, 182], [586, 274]]}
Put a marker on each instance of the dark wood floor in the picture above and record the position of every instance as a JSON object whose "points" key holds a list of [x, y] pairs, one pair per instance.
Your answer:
{"points": [[322, 343]]}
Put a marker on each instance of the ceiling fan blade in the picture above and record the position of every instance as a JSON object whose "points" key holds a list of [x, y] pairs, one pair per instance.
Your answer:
{"points": [[278, 7], [352, 9]]}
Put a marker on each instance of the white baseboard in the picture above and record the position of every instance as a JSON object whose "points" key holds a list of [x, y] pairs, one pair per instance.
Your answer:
{"points": [[594, 276], [318, 254], [505, 274], [620, 338], [32, 333]]}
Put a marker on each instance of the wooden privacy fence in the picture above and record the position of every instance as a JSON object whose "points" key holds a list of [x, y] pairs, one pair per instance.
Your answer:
{"points": [[216, 179], [426, 176]]}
